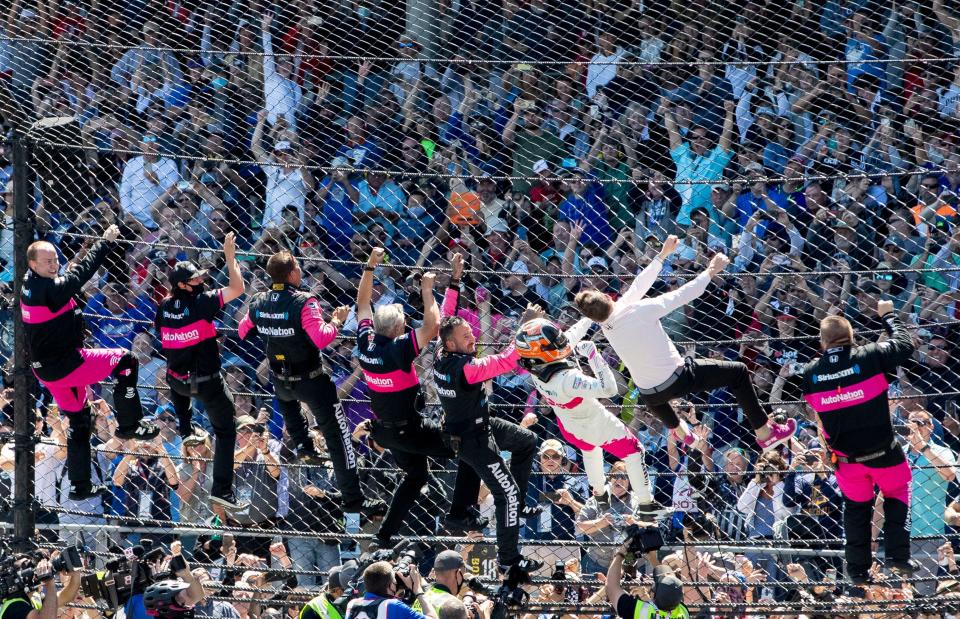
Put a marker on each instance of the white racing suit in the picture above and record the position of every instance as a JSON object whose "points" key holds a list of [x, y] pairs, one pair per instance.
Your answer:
{"points": [[584, 422]]}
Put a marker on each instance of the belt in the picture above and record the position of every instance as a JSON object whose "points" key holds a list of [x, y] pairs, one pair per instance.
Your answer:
{"points": [[293, 378], [669, 382], [867, 457], [192, 379]]}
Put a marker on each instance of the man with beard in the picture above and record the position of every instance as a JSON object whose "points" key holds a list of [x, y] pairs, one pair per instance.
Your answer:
{"points": [[188, 338], [291, 325], [54, 327]]}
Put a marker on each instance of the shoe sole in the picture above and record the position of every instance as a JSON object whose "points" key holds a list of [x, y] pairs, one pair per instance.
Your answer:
{"points": [[775, 444], [227, 504], [660, 513]]}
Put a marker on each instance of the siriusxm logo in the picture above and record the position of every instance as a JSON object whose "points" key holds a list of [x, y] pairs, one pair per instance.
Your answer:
{"points": [[850, 371], [272, 316]]}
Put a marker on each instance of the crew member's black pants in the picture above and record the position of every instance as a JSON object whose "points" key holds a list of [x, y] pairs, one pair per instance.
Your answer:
{"points": [[480, 448], [411, 445], [707, 375], [218, 402], [320, 396]]}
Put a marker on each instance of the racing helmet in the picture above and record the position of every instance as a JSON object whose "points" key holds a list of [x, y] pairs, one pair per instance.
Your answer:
{"points": [[160, 598], [539, 342]]}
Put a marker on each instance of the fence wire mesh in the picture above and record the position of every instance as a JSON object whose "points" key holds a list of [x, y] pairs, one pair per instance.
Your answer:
{"points": [[556, 144]]}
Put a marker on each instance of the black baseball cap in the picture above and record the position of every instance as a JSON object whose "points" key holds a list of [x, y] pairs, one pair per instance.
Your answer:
{"points": [[184, 271], [667, 589]]}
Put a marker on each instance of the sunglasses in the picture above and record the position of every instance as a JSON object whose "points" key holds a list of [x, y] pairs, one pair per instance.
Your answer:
{"points": [[149, 139], [406, 45], [883, 277]]}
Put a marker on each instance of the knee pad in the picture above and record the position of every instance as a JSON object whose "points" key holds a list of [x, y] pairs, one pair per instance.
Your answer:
{"points": [[80, 425], [126, 368]]}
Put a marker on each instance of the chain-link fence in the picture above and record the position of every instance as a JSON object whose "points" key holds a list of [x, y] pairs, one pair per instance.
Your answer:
{"points": [[555, 145]]}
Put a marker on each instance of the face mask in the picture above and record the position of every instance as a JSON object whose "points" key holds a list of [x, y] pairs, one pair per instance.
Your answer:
{"points": [[218, 82], [363, 12], [198, 289]]}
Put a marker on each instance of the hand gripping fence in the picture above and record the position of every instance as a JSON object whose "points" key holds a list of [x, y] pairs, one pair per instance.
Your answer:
{"points": [[554, 145]]}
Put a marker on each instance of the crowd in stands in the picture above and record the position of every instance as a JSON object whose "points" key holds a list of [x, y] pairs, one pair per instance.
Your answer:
{"points": [[804, 139]]}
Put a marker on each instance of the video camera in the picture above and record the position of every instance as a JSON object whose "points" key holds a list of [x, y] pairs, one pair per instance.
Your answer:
{"points": [[641, 540], [123, 577], [18, 573]]}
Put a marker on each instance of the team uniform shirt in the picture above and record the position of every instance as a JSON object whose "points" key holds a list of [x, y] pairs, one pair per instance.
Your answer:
{"points": [[188, 335], [52, 318], [847, 387], [290, 321], [388, 370], [460, 378]]}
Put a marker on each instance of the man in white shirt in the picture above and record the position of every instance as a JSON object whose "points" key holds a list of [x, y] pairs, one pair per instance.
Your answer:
{"points": [[282, 94], [146, 178], [632, 326]]}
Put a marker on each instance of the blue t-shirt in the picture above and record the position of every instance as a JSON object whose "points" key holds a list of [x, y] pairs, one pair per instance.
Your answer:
{"points": [[395, 608], [763, 518], [748, 204], [590, 210]]}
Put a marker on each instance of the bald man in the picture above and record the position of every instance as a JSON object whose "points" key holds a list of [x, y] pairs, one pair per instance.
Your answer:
{"points": [[53, 322]]}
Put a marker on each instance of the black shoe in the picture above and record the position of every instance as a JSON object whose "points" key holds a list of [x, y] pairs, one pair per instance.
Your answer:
{"points": [[904, 569], [144, 431], [80, 492], [650, 511], [524, 566], [307, 454], [531, 511], [859, 579], [230, 501], [367, 507], [463, 524], [194, 430]]}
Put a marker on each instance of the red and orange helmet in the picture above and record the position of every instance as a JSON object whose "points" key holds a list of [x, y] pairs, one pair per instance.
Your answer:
{"points": [[540, 341]]}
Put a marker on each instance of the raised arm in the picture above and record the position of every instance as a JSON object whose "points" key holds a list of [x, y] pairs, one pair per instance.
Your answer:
{"points": [[68, 285], [431, 313], [642, 282], [676, 299], [726, 134], [669, 123], [578, 331], [235, 287], [269, 64], [451, 297], [365, 289], [256, 142], [899, 346]]}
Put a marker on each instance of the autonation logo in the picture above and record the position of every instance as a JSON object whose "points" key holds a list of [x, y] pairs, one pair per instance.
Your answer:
{"points": [[839, 398]]}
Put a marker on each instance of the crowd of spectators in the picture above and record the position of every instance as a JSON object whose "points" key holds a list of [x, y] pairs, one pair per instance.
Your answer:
{"points": [[804, 139]]}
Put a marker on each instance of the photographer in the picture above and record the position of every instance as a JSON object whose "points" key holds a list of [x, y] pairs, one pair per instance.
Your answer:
{"points": [[380, 582], [18, 604], [176, 598], [321, 607], [449, 572], [667, 588]]}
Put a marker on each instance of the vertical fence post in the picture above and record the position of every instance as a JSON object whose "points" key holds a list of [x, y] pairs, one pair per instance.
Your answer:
{"points": [[23, 409]]}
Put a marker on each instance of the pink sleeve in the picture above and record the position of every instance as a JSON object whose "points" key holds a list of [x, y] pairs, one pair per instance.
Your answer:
{"points": [[246, 326], [491, 366], [449, 305], [321, 333]]}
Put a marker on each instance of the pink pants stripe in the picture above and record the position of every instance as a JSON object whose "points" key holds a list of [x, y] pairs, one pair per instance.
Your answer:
{"points": [[71, 392], [619, 447]]}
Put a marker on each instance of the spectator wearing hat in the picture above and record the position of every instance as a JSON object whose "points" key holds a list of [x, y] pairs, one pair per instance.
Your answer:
{"points": [[558, 493], [696, 160], [118, 315], [195, 471], [531, 143], [544, 192], [449, 573], [605, 517], [338, 580], [147, 54], [288, 183]]}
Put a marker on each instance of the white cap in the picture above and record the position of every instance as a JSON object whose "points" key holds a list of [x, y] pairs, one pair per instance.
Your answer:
{"points": [[540, 166], [597, 261]]}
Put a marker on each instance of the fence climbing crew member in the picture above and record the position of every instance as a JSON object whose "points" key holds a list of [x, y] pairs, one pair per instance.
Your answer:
{"points": [[53, 321], [290, 322], [188, 339], [584, 422], [478, 438], [632, 326], [387, 350], [847, 387]]}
